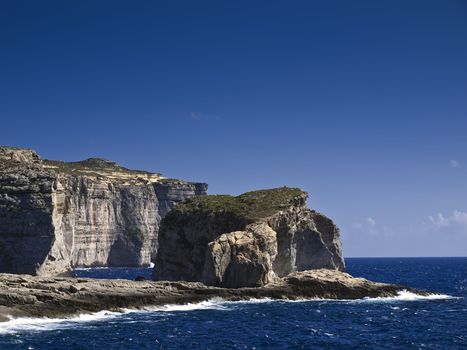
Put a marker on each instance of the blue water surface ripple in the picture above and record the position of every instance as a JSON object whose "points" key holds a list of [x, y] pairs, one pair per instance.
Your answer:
{"points": [[404, 322]]}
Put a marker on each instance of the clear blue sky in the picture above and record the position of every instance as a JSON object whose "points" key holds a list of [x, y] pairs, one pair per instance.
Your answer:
{"points": [[361, 103]]}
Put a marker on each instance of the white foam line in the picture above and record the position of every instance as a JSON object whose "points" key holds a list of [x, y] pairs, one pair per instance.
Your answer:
{"points": [[15, 325], [405, 295], [28, 324], [211, 304]]}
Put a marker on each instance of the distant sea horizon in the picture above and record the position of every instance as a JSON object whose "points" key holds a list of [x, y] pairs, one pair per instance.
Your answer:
{"points": [[406, 257]]}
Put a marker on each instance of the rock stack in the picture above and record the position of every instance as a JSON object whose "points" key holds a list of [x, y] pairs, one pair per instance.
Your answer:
{"points": [[245, 241]]}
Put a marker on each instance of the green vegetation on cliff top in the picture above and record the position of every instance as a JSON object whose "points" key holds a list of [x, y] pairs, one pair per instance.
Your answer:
{"points": [[250, 206], [92, 165]]}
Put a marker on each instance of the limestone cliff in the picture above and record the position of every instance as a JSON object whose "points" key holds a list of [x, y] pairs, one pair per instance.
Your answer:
{"points": [[57, 215], [245, 241]]}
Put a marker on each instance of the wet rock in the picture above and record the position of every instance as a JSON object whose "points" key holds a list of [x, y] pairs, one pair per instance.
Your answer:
{"points": [[22, 295]]}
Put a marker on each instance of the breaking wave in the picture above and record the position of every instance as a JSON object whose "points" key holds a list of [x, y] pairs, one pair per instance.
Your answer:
{"points": [[29, 324], [92, 268], [405, 295]]}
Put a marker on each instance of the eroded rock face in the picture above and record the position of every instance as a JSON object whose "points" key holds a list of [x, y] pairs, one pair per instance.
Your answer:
{"points": [[242, 258], [306, 240], [56, 215], [24, 155], [246, 241]]}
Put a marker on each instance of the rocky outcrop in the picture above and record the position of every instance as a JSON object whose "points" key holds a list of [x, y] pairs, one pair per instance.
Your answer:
{"points": [[57, 215], [23, 295], [242, 258], [245, 241]]}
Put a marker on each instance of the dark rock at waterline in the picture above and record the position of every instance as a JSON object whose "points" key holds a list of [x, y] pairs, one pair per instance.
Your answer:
{"points": [[24, 295], [73, 289]]}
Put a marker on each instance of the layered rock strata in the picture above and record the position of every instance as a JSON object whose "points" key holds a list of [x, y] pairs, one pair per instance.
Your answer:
{"points": [[25, 296], [245, 241], [57, 215]]}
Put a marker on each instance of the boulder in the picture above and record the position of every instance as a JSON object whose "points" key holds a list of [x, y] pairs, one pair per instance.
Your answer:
{"points": [[242, 258]]}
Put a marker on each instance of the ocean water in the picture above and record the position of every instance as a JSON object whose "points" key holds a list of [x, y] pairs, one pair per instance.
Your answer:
{"points": [[403, 322]]}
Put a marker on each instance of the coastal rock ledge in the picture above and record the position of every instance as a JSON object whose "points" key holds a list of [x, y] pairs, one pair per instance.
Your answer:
{"points": [[35, 296], [246, 241]]}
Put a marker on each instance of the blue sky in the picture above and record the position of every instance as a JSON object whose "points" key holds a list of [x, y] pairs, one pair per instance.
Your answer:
{"points": [[361, 103]]}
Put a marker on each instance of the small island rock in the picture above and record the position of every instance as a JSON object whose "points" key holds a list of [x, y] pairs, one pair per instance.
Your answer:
{"points": [[245, 241]]}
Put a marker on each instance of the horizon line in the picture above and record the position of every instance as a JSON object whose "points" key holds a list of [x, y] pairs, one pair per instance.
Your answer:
{"points": [[400, 257]]}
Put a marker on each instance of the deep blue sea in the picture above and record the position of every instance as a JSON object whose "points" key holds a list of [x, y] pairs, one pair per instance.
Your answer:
{"points": [[404, 322]]}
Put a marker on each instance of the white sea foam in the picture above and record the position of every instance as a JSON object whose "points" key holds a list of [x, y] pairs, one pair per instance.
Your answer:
{"points": [[29, 324], [212, 304], [91, 268], [23, 324], [405, 295]]}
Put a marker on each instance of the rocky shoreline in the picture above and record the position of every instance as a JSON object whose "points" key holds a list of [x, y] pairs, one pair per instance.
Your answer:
{"points": [[32, 296], [261, 244]]}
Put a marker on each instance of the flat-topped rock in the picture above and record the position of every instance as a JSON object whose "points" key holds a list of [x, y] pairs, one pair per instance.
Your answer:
{"points": [[23, 295], [245, 241]]}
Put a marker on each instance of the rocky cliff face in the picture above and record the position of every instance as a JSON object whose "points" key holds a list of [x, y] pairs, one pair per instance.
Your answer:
{"points": [[56, 215], [245, 241]]}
